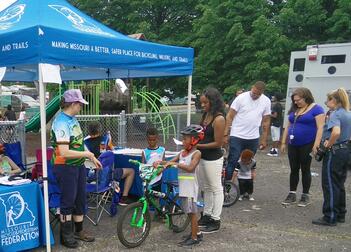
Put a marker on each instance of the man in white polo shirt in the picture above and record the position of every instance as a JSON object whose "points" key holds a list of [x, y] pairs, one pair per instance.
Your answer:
{"points": [[244, 119]]}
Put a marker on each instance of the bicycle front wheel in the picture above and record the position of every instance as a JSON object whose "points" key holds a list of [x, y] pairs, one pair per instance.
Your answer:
{"points": [[177, 218], [231, 193], [133, 226]]}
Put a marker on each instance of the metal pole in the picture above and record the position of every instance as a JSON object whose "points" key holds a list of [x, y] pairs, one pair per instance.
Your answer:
{"points": [[22, 131], [44, 157], [178, 130], [123, 131], [189, 100]]}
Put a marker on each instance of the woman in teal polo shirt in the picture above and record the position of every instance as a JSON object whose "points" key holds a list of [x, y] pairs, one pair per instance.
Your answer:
{"points": [[69, 169]]}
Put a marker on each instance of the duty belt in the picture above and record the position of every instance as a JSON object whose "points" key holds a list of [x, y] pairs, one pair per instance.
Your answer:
{"points": [[339, 146]]}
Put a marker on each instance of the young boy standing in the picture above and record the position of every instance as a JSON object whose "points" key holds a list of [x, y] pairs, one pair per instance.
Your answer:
{"points": [[153, 153], [276, 124], [187, 162]]}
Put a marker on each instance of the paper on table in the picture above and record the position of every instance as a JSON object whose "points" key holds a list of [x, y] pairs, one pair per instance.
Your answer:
{"points": [[137, 152], [128, 151], [177, 142], [5, 181]]}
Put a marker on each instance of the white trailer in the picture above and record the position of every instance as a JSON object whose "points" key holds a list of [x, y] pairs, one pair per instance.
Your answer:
{"points": [[320, 68]]}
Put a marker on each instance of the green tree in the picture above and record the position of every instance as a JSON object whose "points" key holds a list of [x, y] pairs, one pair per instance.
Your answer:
{"points": [[237, 44], [161, 21], [303, 22], [339, 24]]}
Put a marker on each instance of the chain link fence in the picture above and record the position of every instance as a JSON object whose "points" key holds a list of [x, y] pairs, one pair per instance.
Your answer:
{"points": [[129, 130], [12, 132]]}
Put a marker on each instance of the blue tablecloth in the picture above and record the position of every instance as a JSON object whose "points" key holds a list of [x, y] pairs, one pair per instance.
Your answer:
{"points": [[122, 161], [22, 219]]}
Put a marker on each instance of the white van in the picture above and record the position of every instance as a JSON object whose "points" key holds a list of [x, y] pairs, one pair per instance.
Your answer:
{"points": [[320, 68]]}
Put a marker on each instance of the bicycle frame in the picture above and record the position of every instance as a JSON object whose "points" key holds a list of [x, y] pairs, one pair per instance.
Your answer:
{"points": [[149, 198]]}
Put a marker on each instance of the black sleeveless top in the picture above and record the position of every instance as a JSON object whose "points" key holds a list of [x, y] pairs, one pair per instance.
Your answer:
{"points": [[213, 153]]}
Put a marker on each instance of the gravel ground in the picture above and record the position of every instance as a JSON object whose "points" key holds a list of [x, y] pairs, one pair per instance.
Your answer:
{"points": [[261, 225]]}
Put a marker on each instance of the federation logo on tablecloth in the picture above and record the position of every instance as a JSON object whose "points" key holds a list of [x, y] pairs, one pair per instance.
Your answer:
{"points": [[19, 219]]}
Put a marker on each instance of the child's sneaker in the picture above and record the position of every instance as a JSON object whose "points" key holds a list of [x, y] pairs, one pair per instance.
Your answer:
{"points": [[200, 236], [273, 153], [251, 198], [124, 201], [240, 197], [189, 242]]}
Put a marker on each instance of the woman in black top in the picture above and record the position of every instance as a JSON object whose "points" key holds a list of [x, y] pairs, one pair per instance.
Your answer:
{"points": [[210, 168]]}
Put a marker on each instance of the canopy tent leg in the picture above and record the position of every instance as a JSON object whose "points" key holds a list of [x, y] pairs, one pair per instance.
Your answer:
{"points": [[44, 157], [190, 80]]}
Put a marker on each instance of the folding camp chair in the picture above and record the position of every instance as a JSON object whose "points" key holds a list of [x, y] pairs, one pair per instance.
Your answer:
{"points": [[54, 196], [14, 151], [99, 192], [37, 171]]}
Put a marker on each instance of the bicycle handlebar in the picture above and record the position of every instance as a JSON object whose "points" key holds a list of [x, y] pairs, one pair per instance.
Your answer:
{"points": [[147, 172], [133, 161]]}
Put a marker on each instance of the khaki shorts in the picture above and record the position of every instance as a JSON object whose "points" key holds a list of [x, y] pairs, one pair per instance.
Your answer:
{"points": [[275, 133], [188, 205]]}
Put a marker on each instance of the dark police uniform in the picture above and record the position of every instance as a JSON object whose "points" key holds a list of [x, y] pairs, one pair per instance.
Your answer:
{"points": [[334, 169]]}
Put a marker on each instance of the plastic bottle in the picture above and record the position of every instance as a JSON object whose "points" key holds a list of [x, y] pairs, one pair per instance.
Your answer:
{"points": [[105, 141], [200, 204], [108, 139]]}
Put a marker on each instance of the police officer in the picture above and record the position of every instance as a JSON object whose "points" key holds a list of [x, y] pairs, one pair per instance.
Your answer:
{"points": [[334, 170]]}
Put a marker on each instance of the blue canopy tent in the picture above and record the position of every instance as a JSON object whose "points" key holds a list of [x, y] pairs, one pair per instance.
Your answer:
{"points": [[50, 41]]}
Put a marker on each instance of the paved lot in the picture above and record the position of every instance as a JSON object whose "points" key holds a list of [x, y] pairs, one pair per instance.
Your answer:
{"points": [[261, 225]]}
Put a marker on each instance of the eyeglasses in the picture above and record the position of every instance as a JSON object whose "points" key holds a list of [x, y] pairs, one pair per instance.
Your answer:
{"points": [[298, 100]]}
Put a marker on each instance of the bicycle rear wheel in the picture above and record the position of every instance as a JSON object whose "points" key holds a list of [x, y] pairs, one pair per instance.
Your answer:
{"points": [[178, 219], [133, 226], [231, 193]]}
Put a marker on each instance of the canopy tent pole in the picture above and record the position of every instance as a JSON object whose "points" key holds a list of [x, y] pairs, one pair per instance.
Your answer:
{"points": [[44, 157], [190, 80]]}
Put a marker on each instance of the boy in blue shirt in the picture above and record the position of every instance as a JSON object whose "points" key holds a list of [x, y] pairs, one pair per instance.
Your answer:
{"points": [[153, 153]]}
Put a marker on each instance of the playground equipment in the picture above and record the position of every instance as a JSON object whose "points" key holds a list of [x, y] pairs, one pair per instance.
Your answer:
{"points": [[152, 102], [51, 108], [91, 93]]}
